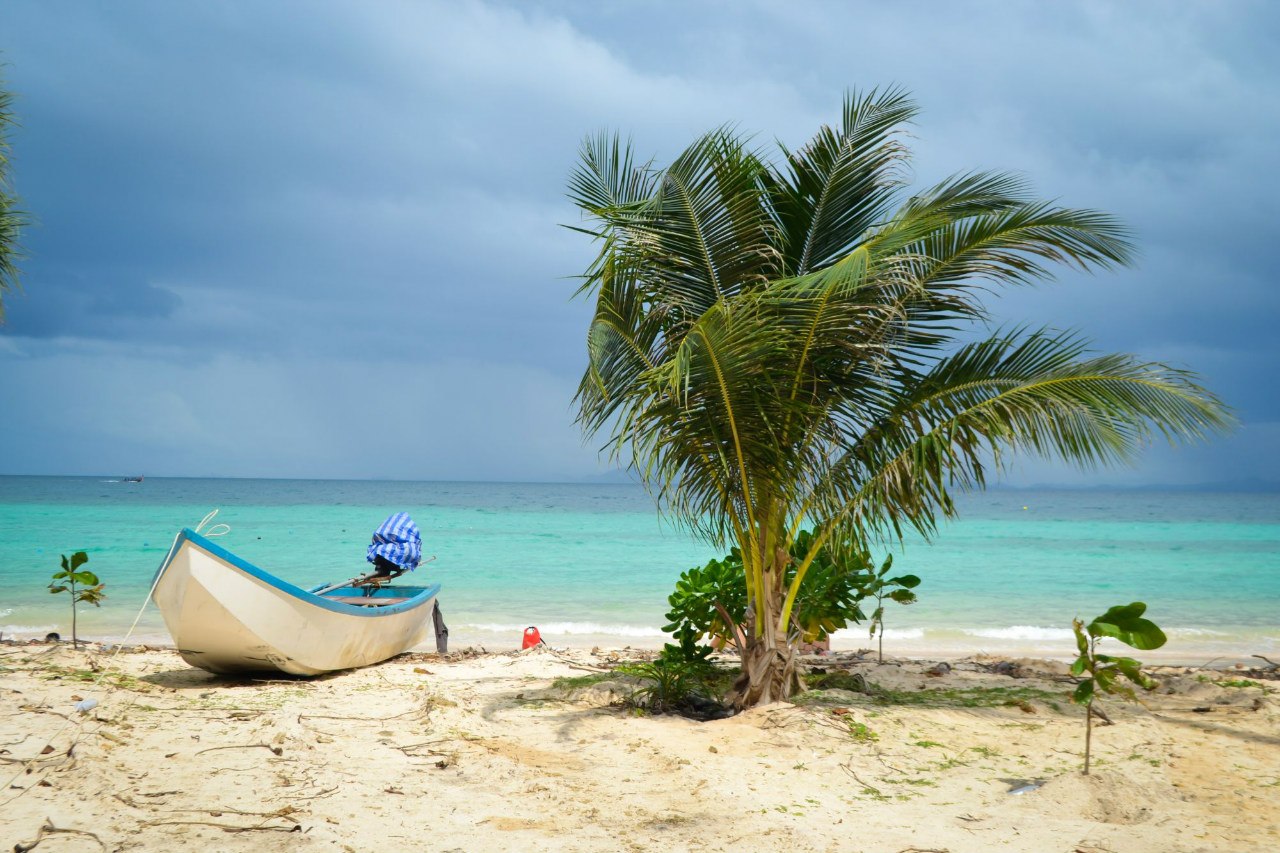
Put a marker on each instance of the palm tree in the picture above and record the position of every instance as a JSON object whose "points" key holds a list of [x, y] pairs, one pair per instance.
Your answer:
{"points": [[781, 345], [11, 219]]}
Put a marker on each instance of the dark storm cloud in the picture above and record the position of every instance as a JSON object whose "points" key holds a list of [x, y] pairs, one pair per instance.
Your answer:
{"points": [[97, 308], [268, 207]]}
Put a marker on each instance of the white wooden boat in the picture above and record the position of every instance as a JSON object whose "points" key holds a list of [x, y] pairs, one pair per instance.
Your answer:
{"points": [[228, 616]]}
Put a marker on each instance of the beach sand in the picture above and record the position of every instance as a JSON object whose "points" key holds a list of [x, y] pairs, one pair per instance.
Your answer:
{"points": [[480, 752]]}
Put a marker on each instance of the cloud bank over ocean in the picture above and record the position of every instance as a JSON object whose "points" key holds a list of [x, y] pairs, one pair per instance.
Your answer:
{"points": [[305, 239]]}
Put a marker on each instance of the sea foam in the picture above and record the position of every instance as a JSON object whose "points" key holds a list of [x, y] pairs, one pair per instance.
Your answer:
{"points": [[571, 628], [1020, 632]]}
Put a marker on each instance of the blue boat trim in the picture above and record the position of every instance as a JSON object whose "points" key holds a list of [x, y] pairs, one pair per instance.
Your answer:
{"points": [[419, 595]]}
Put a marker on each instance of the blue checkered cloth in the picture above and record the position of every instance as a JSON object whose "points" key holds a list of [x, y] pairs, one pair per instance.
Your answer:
{"points": [[399, 541]]}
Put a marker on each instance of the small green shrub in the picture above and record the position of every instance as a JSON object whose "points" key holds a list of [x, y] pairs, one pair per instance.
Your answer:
{"points": [[837, 580], [681, 679], [1102, 673], [83, 586]]}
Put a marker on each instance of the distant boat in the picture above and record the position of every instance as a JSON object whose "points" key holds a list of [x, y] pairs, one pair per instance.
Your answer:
{"points": [[228, 616], [137, 479]]}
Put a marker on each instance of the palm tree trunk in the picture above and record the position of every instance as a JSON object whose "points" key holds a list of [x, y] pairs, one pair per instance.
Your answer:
{"points": [[768, 662], [768, 674]]}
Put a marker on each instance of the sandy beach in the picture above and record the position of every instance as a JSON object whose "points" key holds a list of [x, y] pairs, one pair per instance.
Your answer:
{"points": [[538, 751]]}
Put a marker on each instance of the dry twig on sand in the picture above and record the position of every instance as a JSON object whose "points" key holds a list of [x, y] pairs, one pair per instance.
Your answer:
{"points": [[49, 829], [225, 827], [274, 749]]}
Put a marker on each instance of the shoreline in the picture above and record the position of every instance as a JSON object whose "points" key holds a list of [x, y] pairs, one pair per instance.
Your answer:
{"points": [[1218, 656], [536, 751]]}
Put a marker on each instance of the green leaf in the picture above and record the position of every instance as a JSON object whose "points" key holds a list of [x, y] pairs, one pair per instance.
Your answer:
{"points": [[907, 581], [1079, 665], [903, 596], [1083, 693], [78, 559], [1125, 623], [1131, 669], [1105, 678], [86, 578]]}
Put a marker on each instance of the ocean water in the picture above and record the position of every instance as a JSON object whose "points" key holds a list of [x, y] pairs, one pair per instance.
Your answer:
{"points": [[593, 564]]}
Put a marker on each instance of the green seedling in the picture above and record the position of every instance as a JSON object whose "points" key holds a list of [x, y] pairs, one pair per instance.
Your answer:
{"points": [[881, 587], [1102, 673], [83, 586]]}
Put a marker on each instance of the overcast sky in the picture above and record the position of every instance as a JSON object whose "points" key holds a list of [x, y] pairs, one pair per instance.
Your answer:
{"points": [[322, 239]]}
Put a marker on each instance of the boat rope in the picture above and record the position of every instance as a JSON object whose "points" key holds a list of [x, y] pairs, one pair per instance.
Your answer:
{"points": [[219, 529]]}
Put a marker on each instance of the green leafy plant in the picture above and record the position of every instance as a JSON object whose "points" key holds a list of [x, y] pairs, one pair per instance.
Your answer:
{"points": [[1103, 673], [832, 589], [881, 587], [696, 596], [712, 600], [84, 586], [680, 679]]}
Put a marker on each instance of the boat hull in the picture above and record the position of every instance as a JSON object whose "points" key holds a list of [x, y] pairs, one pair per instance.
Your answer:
{"points": [[228, 616]]}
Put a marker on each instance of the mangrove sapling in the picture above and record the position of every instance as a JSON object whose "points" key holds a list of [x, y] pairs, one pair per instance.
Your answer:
{"points": [[880, 587], [1102, 672], [83, 586]]}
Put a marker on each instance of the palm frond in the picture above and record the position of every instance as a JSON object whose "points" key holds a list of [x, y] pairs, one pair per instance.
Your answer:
{"points": [[1038, 392], [843, 182]]}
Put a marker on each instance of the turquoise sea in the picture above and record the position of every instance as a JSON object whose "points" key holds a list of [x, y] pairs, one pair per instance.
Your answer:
{"points": [[593, 564]]}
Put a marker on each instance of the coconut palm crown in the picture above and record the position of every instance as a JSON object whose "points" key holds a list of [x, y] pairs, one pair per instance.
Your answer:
{"points": [[779, 345]]}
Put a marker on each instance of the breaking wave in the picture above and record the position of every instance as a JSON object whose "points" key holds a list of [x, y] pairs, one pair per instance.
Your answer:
{"points": [[565, 629], [1021, 632]]}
